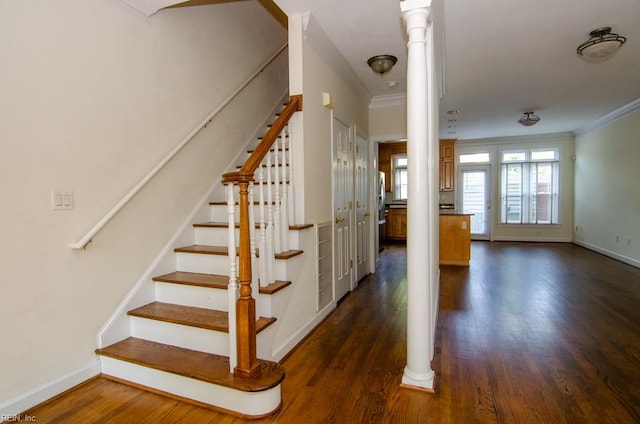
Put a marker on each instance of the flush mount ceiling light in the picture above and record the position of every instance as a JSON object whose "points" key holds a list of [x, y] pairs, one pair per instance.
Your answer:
{"points": [[601, 44], [382, 64], [528, 119]]}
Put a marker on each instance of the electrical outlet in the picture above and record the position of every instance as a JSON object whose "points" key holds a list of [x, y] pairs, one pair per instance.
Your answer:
{"points": [[61, 199], [617, 239]]}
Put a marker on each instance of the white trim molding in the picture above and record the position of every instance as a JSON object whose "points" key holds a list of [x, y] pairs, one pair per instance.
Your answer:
{"points": [[609, 253], [610, 117], [389, 100], [37, 396], [551, 137]]}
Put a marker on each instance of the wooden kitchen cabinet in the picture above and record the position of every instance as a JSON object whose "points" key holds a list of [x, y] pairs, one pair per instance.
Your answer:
{"points": [[385, 159], [397, 224], [447, 162], [455, 239]]}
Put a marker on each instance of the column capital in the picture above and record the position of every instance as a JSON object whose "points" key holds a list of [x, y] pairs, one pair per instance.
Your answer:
{"points": [[409, 5]]}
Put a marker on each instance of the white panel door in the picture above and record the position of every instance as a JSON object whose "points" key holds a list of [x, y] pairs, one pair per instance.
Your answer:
{"points": [[362, 207], [342, 207]]}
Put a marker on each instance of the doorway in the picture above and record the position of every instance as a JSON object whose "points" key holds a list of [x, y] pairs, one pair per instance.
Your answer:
{"points": [[475, 199], [342, 207]]}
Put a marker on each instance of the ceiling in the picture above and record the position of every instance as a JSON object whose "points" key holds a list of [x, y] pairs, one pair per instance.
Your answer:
{"points": [[502, 58]]}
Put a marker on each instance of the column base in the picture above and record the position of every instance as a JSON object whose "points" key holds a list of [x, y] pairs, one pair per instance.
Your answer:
{"points": [[423, 383]]}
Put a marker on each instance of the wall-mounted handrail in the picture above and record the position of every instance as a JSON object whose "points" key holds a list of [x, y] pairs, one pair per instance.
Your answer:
{"points": [[86, 239]]}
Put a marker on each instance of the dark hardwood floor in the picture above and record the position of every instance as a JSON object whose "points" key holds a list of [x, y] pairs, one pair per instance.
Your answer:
{"points": [[530, 333]]}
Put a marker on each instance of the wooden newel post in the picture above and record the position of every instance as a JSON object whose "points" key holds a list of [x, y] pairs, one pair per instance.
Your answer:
{"points": [[248, 365]]}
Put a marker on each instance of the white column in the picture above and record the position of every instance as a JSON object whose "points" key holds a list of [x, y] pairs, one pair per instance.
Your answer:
{"points": [[418, 373]]}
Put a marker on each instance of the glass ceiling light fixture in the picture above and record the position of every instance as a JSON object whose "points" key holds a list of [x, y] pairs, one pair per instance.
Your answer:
{"points": [[382, 63], [528, 119], [601, 44]]}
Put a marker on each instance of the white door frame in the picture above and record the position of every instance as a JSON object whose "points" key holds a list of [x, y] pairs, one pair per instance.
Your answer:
{"points": [[362, 207], [342, 208], [488, 218]]}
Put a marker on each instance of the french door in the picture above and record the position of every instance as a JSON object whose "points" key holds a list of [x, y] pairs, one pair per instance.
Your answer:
{"points": [[475, 198]]}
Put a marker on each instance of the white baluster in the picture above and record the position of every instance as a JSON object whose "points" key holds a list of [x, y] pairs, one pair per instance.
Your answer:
{"points": [[276, 212], [284, 215], [232, 289], [262, 242], [252, 242], [291, 205], [269, 253]]}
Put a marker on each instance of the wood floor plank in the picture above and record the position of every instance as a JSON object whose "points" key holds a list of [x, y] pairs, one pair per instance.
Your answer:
{"points": [[529, 333]]}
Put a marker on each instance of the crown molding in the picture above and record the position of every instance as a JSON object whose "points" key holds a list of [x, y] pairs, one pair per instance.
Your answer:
{"points": [[388, 100], [519, 139], [609, 117]]}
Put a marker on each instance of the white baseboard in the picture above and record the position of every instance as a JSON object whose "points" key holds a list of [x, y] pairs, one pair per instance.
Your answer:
{"points": [[611, 254], [533, 239], [293, 340], [46, 392]]}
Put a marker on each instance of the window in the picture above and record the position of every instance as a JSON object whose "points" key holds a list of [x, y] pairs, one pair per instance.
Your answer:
{"points": [[400, 179], [529, 186], [475, 158]]}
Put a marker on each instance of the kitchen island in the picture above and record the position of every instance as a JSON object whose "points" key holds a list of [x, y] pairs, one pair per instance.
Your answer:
{"points": [[455, 238]]}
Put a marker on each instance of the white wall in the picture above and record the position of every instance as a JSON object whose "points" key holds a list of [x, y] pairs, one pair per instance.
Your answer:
{"points": [[94, 94], [607, 197], [315, 68]]}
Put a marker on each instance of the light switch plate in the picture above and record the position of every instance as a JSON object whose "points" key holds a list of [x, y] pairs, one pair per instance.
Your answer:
{"points": [[61, 199]]}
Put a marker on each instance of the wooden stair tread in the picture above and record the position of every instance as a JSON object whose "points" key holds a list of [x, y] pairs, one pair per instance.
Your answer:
{"points": [[217, 224], [300, 226], [208, 319], [204, 249], [256, 203], [224, 251], [213, 281], [274, 287], [194, 279], [288, 254], [189, 363]]}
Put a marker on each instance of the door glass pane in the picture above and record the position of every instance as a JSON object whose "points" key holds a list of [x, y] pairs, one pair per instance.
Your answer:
{"points": [[474, 199]]}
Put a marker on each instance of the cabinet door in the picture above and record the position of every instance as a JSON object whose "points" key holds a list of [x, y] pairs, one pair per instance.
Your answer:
{"points": [[397, 224], [447, 171], [401, 224], [446, 180]]}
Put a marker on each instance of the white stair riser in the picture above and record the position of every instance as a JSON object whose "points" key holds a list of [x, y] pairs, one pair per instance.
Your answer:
{"points": [[247, 403], [285, 269], [273, 305], [200, 297], [207, 264], [214, 236], [220, 237], [220, 212], [180, 335]]}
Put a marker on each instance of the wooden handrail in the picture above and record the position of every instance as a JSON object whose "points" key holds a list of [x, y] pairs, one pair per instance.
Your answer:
{"points": [[248, 365], [250, 166]]}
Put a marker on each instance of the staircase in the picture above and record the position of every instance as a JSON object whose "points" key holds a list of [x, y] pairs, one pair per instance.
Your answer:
{"points": [[198, 334]]}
